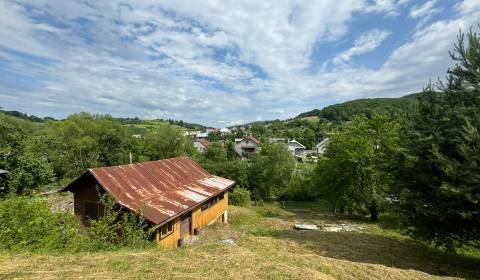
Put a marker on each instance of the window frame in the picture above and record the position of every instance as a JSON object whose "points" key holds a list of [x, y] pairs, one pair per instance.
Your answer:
{"points": [[168, 233]]}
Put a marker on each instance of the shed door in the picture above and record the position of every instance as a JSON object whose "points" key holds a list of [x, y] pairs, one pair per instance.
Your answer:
{"points": [[185, 225]]}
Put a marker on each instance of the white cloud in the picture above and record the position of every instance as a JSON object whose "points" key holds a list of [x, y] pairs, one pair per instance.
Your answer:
{"points": [[208, 61], [365, 43], [424, 12]]}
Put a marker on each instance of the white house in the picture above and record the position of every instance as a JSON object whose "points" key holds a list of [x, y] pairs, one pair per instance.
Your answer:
{"points": [[296, 148], [224, 131], [319, 149], [247, 146], [202, 135], [201, 145]]}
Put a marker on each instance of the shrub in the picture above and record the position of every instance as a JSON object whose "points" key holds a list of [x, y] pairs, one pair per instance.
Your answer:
{"points": [[118, 228], [240, 197], [29, 224]]}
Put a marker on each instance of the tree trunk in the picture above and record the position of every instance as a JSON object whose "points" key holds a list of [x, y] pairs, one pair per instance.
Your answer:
{"points": [[373, 211]]}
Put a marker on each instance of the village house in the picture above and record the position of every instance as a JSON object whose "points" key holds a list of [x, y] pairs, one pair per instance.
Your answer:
{"points": [[202, 135], [319, 149], [247, 146], [211, 129], [297, 149], [225, 131], [177, 196], [190, 133], [201, 145]]}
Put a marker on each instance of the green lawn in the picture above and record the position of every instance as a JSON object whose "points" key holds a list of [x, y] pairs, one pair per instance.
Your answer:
{"points": [[267, 248]]}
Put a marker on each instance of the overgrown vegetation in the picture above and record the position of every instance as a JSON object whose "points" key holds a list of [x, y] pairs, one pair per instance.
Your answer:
{"points": [[28, 225]]}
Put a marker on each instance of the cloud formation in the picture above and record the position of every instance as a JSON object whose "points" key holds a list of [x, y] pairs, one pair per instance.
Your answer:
{"points": [[218, 62]]}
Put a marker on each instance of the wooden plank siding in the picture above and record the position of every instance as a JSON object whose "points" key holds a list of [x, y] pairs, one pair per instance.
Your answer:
{"points": [[172, 239], [200, 219]]}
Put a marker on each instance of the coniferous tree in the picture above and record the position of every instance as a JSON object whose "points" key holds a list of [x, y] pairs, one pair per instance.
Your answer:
{"points": [[440, 170]]}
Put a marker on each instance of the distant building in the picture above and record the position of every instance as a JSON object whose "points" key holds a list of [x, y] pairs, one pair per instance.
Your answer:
{"points": [[319, 149], [247, 146], [190, 133], [297, 149], [201, 145], [202, 135], [225, 131], [211, 129]]}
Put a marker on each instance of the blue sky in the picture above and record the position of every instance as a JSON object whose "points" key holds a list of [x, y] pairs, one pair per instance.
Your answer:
{"points": [[220, 62]]}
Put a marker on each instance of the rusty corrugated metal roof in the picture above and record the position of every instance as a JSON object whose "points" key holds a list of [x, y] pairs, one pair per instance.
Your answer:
{"points": [[163, 189]]}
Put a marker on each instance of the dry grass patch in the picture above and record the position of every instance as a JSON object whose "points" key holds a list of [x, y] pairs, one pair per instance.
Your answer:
{"points": [[267, 248]]}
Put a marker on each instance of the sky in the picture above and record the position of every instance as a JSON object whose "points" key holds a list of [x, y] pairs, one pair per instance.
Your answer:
{"points": [[220, 63]]}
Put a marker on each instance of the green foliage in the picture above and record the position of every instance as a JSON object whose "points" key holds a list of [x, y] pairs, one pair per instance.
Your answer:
{"points": [[166, 142], [270, 172], [347, 111], [353, 173], [28, 224], [300, 187], [30, 173], [240, 197], [118, 227], [215, 152], [82, 141], [439, 171], [215, 136]]}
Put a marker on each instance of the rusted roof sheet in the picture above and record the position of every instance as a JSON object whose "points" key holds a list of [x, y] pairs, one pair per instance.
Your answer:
{"points": [[163, 189]]}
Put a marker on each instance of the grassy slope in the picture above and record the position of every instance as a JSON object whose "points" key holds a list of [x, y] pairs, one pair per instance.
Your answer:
{"points": [[267, 248]]}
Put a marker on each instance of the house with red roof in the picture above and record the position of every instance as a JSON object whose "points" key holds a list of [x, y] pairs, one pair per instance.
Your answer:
{"points": [[247, 146]]}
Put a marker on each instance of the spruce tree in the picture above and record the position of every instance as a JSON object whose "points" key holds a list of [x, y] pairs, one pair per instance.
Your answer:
{"points": [[440, 170]]}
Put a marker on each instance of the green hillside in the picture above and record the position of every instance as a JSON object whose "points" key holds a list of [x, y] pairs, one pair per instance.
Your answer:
{"points": [[345, 111]]}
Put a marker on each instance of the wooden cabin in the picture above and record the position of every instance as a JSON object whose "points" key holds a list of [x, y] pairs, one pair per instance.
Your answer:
{"points": [[177, 196]]}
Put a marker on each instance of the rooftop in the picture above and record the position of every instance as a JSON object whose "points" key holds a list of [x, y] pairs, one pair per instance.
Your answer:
{"points": [[163, 189]]}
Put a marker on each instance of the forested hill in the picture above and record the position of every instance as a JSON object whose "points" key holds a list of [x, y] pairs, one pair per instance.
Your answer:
{"points": [[345, 111], [139, 125]]}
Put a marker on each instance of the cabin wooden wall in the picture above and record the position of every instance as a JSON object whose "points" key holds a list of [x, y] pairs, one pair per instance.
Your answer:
{"points": [[172, 239], [88, 192], [200, 219]]}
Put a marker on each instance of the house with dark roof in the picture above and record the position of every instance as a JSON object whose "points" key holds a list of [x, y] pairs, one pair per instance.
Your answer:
{"points": [[176, 196], [247, 146]]}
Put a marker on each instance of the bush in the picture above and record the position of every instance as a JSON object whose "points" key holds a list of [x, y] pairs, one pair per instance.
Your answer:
{"points": [[240, 197], [118, 228], [28, 224]]}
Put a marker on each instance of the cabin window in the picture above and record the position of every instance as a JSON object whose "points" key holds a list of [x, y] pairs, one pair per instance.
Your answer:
{"points": [[93, 210], [166, 229], [204, 206], [212, 201]]}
